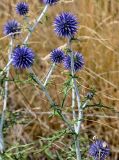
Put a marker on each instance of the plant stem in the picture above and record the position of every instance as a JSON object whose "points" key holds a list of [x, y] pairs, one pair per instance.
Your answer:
{"points": [[75, 91], [80, 110], [85, 104], [5, 98], [36, 23], [42, 86], [78, 154], [52, 103], [73, 105], [6, 67], [49, 74]]}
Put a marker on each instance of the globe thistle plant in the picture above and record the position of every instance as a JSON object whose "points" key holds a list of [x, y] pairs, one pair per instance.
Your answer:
{"points": [[57, 56], [23, 57], [99, 150], [22, 8], [78, 61], [12, 27], [65, 25], [50, 2]]}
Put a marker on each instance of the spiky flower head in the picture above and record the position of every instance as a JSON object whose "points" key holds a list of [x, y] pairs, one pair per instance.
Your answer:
{"points": [[78, 61], [57, 56], [12, 27], [22, 8], [23, 57], [99, 150], [50, 2], [66, 25]]}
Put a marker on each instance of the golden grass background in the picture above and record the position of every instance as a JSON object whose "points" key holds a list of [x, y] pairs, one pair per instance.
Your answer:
{"points": [[99, 43]]}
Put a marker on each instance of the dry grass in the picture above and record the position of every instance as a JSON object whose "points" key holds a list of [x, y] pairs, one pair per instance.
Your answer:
{"points": [[99, 43]]}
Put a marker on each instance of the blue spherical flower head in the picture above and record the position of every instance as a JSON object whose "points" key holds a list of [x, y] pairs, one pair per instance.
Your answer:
{"points": [[50, 2], [57, 56], [22, 8], [78, 61], [23, 57], [66, 25], [11, 27], [99, 150]]}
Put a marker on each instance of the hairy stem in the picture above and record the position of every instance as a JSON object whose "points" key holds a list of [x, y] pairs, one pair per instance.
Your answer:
{"points": [[75, 91], [73, 106], [78, 154], [52, 103], [49, 74], [6, 67], [36, 23], [5, 98], [80, 111]]}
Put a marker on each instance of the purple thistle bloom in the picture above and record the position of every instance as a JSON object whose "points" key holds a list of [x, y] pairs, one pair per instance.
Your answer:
{"points": [[50, 2], [11, 27], [78, 61], [99, 150], [57, 56], [22, 8], [65, 25], [23, 57]]}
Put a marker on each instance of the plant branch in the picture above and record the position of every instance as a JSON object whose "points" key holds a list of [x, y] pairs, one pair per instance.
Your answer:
{"points": [[35, 24], [5, 98], [49, 74], [74, 91], [52, 103]]}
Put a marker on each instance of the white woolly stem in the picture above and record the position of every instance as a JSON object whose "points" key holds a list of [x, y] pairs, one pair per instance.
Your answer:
{"points": [[6, 67], [85, 104], [42, 86], [74, 91], [49, 74], [78, 154], [7, 75], [73, 105], [77, 144], [52, 103], [81, 115], [36, 23], [5, 97], [80, 111]]}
